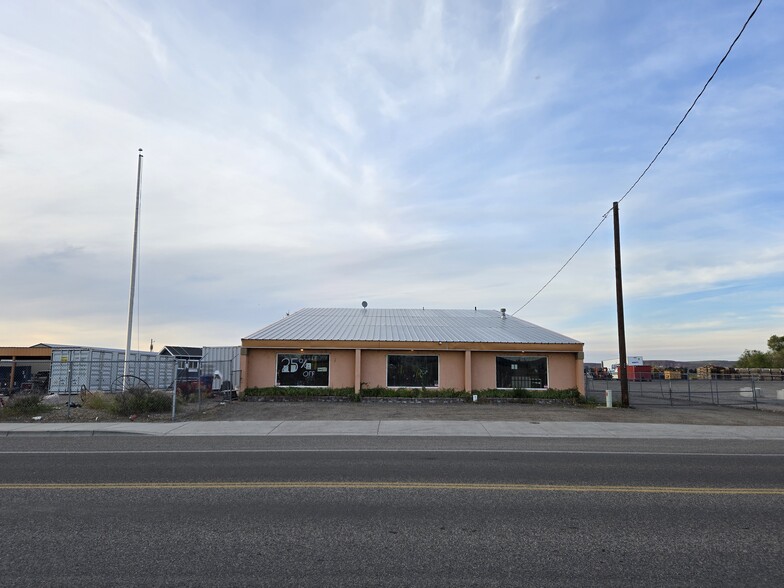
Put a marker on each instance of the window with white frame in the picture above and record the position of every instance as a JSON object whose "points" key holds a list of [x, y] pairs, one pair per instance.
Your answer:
{"points": [[412, 371], [521, 372]]}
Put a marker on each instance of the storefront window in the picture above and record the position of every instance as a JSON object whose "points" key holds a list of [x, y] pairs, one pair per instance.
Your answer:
{"points": [[412, 371], [521, 372], [301, 369]]}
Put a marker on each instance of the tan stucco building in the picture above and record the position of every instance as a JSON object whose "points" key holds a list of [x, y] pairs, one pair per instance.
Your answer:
{"points": [[410, 348]]}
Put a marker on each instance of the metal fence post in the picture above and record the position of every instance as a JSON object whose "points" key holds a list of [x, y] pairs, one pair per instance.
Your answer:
{"points": [[70, 376], [754, 392], [199, 375], [688, 387], [174, 394]]}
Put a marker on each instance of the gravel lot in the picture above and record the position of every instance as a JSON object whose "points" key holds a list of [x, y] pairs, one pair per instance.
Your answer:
{"points": [[216, 410], [283, 411]]}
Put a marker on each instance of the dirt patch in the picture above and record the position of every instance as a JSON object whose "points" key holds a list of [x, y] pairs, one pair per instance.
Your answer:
{"points": [[216, 410], [61, 413], [412, 410]]}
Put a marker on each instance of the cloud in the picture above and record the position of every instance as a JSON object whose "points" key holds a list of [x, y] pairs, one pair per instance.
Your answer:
{"points": [[411, 154]]}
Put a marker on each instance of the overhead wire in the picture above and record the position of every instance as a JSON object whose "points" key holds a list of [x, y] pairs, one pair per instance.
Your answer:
{"points": [[655, 157]]}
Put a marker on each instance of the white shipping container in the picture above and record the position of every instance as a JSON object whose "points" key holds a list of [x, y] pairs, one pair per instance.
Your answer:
{"points": [[226, 360], [95, 369]]}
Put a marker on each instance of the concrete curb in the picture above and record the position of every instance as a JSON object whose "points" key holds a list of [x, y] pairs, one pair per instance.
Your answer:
{"points": [[401, 428]]}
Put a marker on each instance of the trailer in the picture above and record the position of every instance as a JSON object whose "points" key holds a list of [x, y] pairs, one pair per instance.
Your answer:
{"points": [[612, 365]]}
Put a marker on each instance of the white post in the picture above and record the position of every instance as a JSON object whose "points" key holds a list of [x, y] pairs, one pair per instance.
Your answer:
{"points": [[126, 365], [608, 398]]}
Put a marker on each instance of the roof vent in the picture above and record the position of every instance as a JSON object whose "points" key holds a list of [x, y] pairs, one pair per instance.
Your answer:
{"points": [[503, 313], [364, 304]]}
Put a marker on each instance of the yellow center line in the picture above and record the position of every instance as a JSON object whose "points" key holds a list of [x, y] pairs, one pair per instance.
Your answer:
{"points": [[392, 486]]}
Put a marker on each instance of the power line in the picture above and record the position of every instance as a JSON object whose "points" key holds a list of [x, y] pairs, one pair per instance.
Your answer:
{"points": [[655, 157]]}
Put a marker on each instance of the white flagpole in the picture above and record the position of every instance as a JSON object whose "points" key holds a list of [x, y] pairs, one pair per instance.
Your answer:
{"points": [[127, 363]]}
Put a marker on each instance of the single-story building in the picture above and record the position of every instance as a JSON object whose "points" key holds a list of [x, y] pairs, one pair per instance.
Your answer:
{"points": [[188, 360], [410, 348], [20, 365]]}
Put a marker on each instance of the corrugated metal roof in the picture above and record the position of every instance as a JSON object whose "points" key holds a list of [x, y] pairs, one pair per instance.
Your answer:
{"points": [[181, 352], [382, 324]]}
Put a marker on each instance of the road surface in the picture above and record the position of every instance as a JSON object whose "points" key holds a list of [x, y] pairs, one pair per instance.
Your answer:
{"points": [[337, 511]]}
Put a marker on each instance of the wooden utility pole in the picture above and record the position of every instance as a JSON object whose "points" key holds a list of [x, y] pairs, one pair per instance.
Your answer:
{"points": [[623, 376]]}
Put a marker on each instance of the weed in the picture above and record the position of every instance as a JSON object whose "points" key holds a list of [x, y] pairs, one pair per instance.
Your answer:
{"points": [[141, 401], [96, 400], [25, 405]]}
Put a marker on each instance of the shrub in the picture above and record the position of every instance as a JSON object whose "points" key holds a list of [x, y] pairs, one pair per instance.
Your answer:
{"points": [[299, 391], [379, 392], [549, 394], [187, 391], [141, 401], [96, 400], [26, 405]]}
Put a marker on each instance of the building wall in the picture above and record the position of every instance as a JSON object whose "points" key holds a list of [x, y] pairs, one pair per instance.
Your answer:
{"points": [[562, 371], [259, 367], [482, 370], [374, 368], [341, 368]]}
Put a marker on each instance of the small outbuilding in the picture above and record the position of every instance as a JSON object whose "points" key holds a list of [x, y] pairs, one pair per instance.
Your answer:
{"points": [[410, 348]]}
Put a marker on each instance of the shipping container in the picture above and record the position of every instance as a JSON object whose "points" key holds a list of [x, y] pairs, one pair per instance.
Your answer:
{"points": [[225, 360], [84, 368], [612, 365], [639, 373]]}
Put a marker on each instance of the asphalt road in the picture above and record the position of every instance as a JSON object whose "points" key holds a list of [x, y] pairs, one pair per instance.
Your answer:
{"points": [[133, 511]]}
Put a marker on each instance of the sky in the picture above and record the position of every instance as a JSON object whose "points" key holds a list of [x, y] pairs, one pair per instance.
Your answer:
{"points": [[406, 153]]}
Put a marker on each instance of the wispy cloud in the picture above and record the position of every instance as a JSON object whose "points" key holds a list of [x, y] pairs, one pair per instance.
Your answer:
{"points": [[412, 154]]}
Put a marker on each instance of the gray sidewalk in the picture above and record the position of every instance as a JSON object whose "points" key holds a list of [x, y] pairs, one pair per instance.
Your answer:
{"points": [[402, 428]]}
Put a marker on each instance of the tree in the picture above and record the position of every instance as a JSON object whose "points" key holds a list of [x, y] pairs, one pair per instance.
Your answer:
{"points": [[776, 344], [773, 358], [753, 359]]}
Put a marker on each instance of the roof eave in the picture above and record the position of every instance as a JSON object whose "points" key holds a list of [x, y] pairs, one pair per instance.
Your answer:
{"points": [[572, 347]]}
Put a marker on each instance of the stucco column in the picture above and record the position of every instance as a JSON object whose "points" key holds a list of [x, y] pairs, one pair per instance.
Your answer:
{"points": [[580, 372], [468, 387], [244, 369], [357, 371]]}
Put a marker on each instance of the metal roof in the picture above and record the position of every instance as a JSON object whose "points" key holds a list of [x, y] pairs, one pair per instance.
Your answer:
{"points": [[182, 352], [381, 324]]}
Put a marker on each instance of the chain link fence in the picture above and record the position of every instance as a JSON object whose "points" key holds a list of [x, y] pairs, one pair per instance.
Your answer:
{"points": [[73, 377], [216, 379], [749, 392], [24, 376]]}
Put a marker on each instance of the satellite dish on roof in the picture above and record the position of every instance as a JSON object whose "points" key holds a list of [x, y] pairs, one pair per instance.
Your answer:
{"points": [[364, 304]]}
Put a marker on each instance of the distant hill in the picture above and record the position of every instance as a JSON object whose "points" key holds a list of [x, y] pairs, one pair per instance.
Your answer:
{"points": [[689, 364]]}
